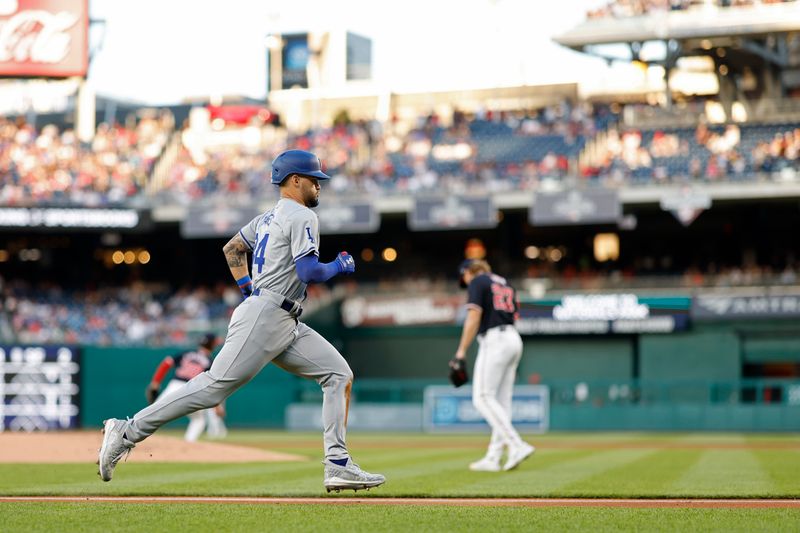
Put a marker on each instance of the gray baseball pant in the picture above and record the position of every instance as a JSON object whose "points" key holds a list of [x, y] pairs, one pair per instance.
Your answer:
{"points": [[260, 332]]}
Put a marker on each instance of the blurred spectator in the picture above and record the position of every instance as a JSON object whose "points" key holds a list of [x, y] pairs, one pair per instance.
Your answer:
{"points": [[704, 153], [488, 152], [139, 314], [53, 167], [492, 151], [635, 8]]}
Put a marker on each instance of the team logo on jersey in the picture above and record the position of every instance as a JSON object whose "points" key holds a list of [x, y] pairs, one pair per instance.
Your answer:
{"points": [[310, 238], [268, 219]]}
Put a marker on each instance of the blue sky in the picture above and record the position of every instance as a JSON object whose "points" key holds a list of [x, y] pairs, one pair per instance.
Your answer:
{"points": [[159, 51]]}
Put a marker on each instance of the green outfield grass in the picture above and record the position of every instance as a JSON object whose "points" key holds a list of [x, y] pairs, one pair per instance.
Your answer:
{"points": [[136, 518], [565, 465], [606, 465]]}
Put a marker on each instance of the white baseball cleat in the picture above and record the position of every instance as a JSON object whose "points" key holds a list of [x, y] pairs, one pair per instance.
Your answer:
{"points": [[114, 446], [348, 475], [518, 454], [485, 465]]}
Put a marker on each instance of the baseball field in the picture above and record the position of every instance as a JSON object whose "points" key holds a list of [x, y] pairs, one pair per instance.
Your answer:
{"points": [[574, 482]]}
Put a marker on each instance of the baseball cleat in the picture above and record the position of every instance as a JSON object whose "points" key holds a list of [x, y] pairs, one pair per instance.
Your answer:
{"points": [[518, 454], [348, 475], [114, 446], [485, 465]]}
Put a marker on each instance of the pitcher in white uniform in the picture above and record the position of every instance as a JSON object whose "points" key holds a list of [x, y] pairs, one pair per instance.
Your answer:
{"points": [[265, 327], [491, 312]]}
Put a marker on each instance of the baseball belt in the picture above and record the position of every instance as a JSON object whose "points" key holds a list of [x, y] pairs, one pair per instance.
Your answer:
{"points": [[288, 305]]}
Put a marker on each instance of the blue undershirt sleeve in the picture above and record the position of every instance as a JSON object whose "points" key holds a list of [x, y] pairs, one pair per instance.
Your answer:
{"points": [[310, 270]]}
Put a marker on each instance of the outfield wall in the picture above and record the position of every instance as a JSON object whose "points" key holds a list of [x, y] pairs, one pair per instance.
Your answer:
{"points": [[700, 378], [113, 383]]}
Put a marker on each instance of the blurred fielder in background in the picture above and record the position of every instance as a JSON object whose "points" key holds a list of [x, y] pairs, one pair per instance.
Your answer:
{"points": [[491, 312], [187, 365], [265, 328]]}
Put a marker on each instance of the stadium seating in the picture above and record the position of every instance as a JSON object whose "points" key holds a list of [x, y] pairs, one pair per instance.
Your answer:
{"points": [[116, 315], [634, 8], [733, 152], [49, 166], [492, 151]]}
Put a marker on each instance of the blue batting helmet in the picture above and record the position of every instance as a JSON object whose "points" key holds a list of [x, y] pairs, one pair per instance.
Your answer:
{"points": [[296, 162]]}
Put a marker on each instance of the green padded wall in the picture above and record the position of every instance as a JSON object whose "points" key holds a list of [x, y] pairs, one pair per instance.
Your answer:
{"points": [[577, 358], [114, 379], [768, 349], [701, 356], [394, 353]]}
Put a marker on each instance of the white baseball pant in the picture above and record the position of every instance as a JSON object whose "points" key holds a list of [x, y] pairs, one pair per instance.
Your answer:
{"points": [[499, 352], [261, 332]]}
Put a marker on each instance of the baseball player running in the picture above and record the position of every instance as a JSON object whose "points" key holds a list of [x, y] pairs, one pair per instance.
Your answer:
{"points": [[491, 309], [187, 365], [265, 328]]}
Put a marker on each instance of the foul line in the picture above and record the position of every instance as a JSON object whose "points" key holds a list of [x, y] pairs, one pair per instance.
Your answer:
{"points": [[459, 502]]}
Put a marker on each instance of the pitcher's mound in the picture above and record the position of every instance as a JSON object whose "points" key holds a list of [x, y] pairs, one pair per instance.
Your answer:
{"points": [[82, 446]]}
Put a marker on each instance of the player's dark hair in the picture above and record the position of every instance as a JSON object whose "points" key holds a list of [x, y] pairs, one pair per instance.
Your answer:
{"points": [[478, 265], [208, 341]]}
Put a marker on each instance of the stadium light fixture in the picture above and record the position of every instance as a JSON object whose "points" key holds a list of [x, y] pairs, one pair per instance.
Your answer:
{"points": [[389, 255], [532, 252]]}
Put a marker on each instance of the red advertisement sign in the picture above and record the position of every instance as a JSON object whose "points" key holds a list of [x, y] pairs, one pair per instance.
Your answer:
{"points": [[44, 38]]}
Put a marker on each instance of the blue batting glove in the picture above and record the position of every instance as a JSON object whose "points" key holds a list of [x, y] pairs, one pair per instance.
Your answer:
{"points": [[345, 263]]}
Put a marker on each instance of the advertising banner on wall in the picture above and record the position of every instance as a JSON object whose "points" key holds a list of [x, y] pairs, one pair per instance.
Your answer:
{"points": [[715, 307], [452, 212], [216, 220], [601, 314], [44, 38], [39, 388], [77, 218], [590, 206], [449, 409], [294, 58], [347, 217], [401, 311]]}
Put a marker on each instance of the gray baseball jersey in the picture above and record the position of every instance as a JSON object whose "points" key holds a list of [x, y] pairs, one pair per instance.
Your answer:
{"points": [[261, 332], [278, 238]]}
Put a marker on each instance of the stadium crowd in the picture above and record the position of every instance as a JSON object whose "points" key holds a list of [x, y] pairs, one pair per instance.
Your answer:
{"points": [[492, 150], [489, 151], [156, 315], [705, 153], [635, 8], [54, 167], [159, 315]]}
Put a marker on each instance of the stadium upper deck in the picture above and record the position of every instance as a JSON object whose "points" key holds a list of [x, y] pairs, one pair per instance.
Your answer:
{"points": [[491, 152]]}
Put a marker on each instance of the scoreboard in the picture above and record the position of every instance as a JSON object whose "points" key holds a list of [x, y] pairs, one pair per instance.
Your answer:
{"points": [[39, 388]]}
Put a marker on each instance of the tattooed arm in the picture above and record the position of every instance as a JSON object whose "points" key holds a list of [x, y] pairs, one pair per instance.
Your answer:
{"points": [[236, 255]]}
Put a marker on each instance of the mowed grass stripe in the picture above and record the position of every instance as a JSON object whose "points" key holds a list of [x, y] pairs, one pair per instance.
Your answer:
{"points": [[508, 484], [783, 467], [450, 476], [164, 478], [650, 475], [721, 473], [534, 479]]}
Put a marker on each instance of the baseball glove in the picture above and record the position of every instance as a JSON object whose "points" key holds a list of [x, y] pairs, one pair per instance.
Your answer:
{"points": [[458, 372], [151, 393]]}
